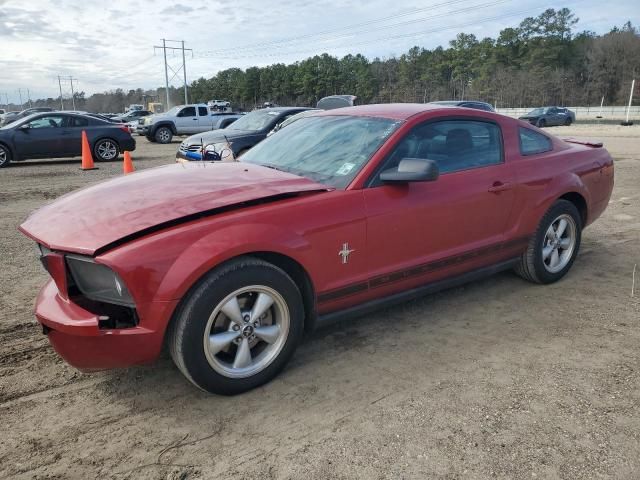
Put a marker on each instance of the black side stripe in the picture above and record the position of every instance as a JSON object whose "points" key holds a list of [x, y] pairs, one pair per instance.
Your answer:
{"points": [[400, 275]]}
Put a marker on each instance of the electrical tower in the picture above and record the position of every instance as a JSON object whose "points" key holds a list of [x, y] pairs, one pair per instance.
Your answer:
{"points": [[73, 95], [175, 72]]}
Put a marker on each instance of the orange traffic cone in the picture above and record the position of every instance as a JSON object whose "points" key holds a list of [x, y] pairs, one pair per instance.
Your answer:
{"points": [[87, 158], [128, 164]]}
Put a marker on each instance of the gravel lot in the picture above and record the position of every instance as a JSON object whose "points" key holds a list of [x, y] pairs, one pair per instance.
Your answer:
{"points": [[499, 378]]}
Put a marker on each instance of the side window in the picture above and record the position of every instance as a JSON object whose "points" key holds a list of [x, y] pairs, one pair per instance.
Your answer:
{"points": [[453, 144], [203, 111], [50, 121], [77, 122], [533, 142], [188, 112]]}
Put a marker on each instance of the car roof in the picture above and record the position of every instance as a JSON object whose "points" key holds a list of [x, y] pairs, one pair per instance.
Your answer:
{"points": [[395, 111], [283, 109]]}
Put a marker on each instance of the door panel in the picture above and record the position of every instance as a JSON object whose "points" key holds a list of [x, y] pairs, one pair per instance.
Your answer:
{"points": [[42, 139], [423, 231], [187, 121]]}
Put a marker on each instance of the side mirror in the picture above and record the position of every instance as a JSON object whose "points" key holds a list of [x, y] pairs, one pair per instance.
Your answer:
{"points": [[24, 126], [411, 170]]}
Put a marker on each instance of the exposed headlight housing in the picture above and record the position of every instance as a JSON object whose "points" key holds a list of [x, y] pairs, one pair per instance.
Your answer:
{"points": [[218, 151], [98, 282]]}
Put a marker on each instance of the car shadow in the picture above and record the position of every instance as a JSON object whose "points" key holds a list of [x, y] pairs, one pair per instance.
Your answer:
{"points": [[54, 161]]}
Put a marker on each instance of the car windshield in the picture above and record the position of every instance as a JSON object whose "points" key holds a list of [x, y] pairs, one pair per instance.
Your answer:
{"points": [[537, 111], [255, 120], [328, 149], [173, 111]]}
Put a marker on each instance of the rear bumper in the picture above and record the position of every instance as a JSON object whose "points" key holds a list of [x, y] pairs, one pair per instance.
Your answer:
{"points": [[128, 145], [76, 336]]}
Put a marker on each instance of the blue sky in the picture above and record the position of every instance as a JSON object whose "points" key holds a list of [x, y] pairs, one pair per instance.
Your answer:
{"points": [[105, 45]]}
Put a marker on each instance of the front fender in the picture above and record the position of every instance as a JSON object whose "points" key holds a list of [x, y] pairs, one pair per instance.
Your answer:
{"points": [[163, 266], [226, 243]]}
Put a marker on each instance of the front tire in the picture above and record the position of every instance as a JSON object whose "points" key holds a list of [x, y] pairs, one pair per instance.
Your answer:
{"points": [[163, 135], [5, 156], [568, 122], [106, 150], [554, 247], [238, 327], [541, 123]]}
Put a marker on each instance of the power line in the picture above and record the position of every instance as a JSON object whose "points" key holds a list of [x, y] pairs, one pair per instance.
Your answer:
{"points": [[337, 29], [387, 38]]}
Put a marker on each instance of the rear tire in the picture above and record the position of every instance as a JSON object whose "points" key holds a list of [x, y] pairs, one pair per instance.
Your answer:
{"points": [[105, 150], [5, 156], [238, 327], [551, 252], [163, 135]]}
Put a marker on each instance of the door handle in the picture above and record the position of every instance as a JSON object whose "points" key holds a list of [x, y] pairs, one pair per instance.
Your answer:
{"points": [[498, 187], [194, 119]]}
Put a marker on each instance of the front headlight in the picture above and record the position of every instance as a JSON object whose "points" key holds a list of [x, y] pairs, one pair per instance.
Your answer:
{"points": [[218, 151], [98, 282]]}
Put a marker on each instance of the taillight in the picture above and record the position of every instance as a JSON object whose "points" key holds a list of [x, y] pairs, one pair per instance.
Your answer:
{"points": [[124, 128]]}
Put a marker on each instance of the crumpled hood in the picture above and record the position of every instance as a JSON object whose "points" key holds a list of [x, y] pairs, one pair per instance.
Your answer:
{"points": [[89, 219]]}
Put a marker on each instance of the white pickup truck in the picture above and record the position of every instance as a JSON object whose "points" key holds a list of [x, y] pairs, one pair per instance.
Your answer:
{"points": [[183, 120]]}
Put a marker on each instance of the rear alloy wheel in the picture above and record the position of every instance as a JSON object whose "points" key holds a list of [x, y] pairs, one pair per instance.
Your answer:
{"points": [[553, 248], [163, 135], [238, 328], [106, 150], [5, 156]]}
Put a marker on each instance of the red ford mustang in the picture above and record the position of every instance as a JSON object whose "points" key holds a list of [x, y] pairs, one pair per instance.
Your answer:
{"points": [[338, 214]]}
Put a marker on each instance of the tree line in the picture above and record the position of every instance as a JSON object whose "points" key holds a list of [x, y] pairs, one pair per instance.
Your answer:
{"points": [[542, 61]]}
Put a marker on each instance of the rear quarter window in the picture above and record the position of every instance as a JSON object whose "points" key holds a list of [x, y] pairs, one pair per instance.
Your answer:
{"points": [[532, 142]]}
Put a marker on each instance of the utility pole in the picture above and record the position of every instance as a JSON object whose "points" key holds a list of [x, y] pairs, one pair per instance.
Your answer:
{"points": [[168, 67], [61, 101], [184, 71], [29, 98], [20, 95], [73, 96], [166, 72]]}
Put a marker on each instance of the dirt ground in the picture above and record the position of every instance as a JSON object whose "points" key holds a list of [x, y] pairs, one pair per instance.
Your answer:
{"points": [[497, 379]]}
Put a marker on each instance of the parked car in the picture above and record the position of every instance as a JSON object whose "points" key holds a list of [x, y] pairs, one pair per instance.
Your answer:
{"points": [[59, 134], [7, 116], [242, 135], [183, 120], [487, 107], [549, 116], [132, 116], [341, 213], [13, 116], [327, 103]]}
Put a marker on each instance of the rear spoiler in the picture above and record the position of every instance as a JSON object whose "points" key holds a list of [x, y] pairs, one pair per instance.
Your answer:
{"points": [[588, 143]]}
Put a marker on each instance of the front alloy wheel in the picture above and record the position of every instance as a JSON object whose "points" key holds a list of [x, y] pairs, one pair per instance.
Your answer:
{"points": [[163, 135], [238, 326]]}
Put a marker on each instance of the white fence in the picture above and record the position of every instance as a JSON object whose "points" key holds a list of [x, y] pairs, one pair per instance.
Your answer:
{"points": [[608, 113]]}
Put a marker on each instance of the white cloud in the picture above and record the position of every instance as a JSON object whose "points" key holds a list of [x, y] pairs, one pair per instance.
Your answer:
{"points": [[106, 45]]}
